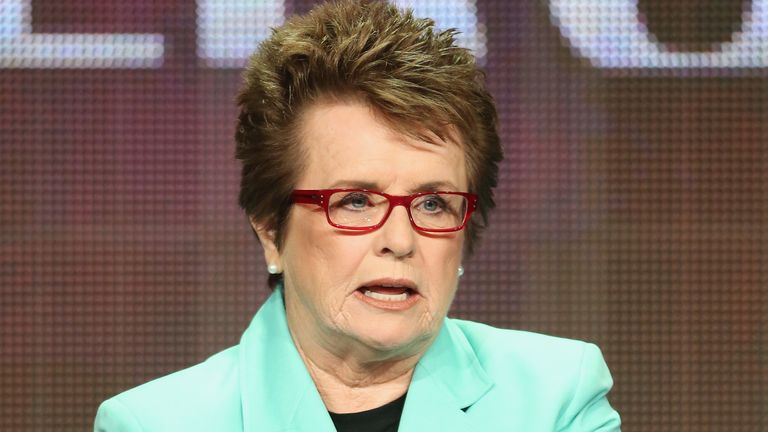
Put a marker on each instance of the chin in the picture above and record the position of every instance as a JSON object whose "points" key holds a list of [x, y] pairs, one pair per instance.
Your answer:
{"points": [[394, 340]]}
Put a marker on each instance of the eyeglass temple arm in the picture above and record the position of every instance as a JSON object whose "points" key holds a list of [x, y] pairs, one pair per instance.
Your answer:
{"points": [[307, 197]]}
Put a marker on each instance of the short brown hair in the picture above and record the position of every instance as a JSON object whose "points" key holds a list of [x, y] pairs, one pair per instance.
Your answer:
{"points": [[398, 64]]}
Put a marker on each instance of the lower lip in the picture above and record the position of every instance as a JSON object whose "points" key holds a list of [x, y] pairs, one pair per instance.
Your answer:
{"points": [[411, 300]]}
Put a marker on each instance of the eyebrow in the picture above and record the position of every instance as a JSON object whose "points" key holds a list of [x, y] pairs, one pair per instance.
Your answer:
{"points": [[424, 187]]}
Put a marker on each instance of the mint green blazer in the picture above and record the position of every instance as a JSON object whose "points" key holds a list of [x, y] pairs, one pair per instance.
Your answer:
{"points": [[473, 378]]}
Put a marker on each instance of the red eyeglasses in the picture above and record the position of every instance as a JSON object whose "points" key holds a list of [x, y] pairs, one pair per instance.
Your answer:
{"points": [[365, 210]]}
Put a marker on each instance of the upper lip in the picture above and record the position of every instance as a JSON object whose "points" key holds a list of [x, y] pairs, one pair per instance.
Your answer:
{"points": [[399, 282]]}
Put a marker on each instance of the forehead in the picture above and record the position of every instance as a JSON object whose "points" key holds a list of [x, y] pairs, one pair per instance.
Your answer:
{"points": [[348, 142]]}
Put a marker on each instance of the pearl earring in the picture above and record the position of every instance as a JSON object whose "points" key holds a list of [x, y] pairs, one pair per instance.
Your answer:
{"points": [[461, 271], [272, 269]]}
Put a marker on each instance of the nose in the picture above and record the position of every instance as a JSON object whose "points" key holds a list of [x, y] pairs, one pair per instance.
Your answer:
{"points": [[396, 237]]}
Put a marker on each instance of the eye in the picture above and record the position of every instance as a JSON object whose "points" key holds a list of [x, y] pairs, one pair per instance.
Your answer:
{"points": [[431, 204], [355, 201]]}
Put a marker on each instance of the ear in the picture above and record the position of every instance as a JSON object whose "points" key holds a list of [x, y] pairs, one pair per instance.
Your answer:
{"points": [[267, 237]]}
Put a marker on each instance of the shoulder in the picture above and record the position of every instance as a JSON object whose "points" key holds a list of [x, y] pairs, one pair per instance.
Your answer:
{"points": [[524, 349], [527, 358], [498, 340], [563, 379], [203, 397]]}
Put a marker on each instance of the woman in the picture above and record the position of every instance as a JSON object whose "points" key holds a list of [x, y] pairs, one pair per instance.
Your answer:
{"points": [[369, 151]]}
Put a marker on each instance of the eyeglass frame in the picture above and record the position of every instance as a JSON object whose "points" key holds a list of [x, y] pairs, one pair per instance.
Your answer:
{"points": [[321, 197]]}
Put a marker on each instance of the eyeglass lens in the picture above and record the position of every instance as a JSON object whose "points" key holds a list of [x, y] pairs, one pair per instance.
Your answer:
{"points": [[360, 209]]}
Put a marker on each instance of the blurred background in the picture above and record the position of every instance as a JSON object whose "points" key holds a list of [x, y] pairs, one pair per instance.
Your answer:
{"points": [[632, 203]]}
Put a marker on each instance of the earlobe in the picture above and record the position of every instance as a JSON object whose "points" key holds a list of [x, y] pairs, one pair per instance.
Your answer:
{"points": [[268, 240]]}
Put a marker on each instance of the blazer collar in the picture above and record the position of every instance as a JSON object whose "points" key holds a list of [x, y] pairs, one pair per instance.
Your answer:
{"points": [[448, 379], [278, 394]]}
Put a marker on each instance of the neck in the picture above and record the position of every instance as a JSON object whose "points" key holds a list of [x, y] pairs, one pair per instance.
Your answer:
{"points": [[350, 376], [347, 386]]}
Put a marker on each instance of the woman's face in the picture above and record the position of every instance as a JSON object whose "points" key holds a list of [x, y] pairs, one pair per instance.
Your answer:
{"points": [[348, 146]]}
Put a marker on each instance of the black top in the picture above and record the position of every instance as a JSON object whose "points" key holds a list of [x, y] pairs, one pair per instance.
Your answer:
{"points": [[385, 418]]}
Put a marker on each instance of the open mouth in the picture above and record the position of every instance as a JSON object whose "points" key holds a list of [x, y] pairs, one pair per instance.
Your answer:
{"points": [[387, 293]]}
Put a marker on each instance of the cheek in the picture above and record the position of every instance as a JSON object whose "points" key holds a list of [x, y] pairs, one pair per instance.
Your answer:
{"points": [[442, 259], [303, 256], [345, 256], [320, 260]]}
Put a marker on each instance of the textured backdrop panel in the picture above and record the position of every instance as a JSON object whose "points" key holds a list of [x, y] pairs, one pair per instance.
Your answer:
{"points": [[632, 203]]}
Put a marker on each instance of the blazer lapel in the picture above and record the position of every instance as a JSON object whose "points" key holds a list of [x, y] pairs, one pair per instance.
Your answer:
{"points": [[277, 392], [447, 380]]}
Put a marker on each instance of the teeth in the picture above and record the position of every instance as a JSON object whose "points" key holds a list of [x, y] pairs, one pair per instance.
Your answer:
{"points": [[386, 297]]}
